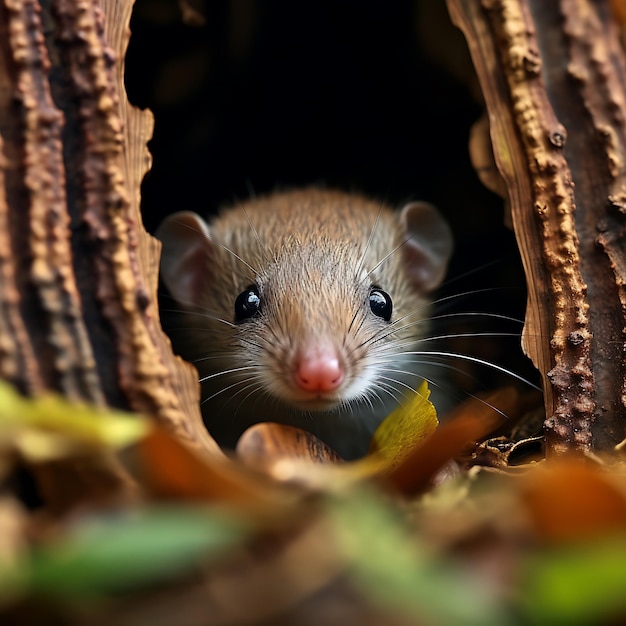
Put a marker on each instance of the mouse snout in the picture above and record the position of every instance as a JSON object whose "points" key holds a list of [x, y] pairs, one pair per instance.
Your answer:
{"points": [[319, 369]]}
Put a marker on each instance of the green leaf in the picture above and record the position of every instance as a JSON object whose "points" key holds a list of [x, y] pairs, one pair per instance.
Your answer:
{"points": [[132, 550], [394, 570], [582, 584]]}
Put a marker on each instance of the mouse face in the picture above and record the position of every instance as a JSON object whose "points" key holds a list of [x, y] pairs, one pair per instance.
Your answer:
{"points": [[300, 306]]}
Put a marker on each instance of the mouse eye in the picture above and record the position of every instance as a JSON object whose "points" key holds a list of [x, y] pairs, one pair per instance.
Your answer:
{"points": [[380, 303], [247, 304]]}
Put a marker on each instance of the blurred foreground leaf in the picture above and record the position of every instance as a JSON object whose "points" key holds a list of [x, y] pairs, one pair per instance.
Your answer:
{"points": [[395, 569], [581, 584], [51, 427], [170, 469], [119, 553], [573, 498]]}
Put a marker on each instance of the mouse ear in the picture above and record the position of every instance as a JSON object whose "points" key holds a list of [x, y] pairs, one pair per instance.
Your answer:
{"points": [[185, 256], [429, 246]]}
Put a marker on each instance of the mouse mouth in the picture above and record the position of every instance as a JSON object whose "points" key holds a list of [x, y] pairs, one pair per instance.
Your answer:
{"points": [[318, 402]]}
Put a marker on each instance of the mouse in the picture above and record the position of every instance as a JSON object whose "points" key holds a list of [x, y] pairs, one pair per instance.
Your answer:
{"points": [[303, 307]]}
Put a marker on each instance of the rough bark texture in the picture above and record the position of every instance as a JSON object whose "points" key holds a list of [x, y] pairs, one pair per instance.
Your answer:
{"points": [[78, 274], [553, 78]]}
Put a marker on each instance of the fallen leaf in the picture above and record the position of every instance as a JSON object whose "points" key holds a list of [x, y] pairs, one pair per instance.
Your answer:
{"points": [[470, 422], [169, 469], [577, 584], [292, 455], [50, 427], [403, 429], [396, 569], [574, 498], [121, 552]]}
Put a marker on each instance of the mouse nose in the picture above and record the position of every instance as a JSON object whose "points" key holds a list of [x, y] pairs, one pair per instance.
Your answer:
{"points": [[319, 369]]}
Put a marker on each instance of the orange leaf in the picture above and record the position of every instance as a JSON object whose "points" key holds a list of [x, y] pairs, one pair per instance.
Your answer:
{"points": [[574, 498], [173, 470], [471, 421]]}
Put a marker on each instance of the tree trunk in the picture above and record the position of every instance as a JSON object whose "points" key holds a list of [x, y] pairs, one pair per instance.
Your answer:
{"points": [[553, 78], [78, 273]]}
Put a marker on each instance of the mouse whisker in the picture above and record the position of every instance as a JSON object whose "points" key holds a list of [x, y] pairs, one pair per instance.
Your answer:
{"points": [[395, 326], [262, 247], [384, 259], [357, 330], [202, 315], [201, 331], [241, 386], [368, 244], [256, 387], [392, 366], [347, 408], [221, 391], [395, 370], [351, 324], [227, 372], [433, 383], [473, 359], [387, 388], [464, 294], [204, 340], [367, 400], [399, 383], [414, 342], [448, 300], [497, 316], [251, 343], [217, 356], [262, 395]]}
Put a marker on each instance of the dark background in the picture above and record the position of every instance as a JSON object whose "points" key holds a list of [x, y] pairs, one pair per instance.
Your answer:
{"points": [[374, 96]]}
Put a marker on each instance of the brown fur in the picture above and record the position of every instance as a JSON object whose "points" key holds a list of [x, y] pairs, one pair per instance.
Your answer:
{"points": [[312, 257]]}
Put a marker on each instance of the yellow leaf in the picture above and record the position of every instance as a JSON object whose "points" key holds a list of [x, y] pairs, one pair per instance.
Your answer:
{"points": [[51, 427], [406, 427], [396, 437]]}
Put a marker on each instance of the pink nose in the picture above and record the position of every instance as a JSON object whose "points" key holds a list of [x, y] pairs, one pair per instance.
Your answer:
{"points": [[319, 370]]}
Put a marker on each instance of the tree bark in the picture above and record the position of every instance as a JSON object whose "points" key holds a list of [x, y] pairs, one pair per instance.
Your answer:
{"points": [[78, 273], [553, 78]]}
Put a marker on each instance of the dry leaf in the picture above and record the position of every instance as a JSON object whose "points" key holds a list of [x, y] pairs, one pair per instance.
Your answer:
{"points": [[292, 455], [470, 422], [172, 470], [575, 498]]}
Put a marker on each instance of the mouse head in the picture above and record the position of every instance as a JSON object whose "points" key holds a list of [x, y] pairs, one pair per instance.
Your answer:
{"points": [[304, 301]]}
